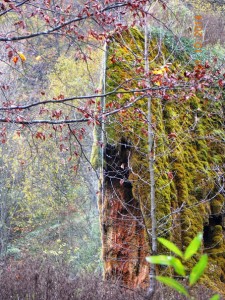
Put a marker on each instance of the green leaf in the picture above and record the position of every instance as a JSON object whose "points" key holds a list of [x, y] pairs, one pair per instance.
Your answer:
{"points": [[168, 261], [178, 266], [215, 297], [193, 246], [173, 284], [198, 269], [171, 246], [160, 260]]}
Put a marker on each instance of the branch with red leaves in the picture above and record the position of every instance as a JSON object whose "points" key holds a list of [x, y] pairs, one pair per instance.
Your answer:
{"points": [[94, 96], [12, 7], [114, 92], [89, 11]]}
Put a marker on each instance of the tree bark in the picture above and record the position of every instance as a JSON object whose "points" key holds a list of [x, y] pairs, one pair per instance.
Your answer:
{"points": [[123, 233], [151, 151]]}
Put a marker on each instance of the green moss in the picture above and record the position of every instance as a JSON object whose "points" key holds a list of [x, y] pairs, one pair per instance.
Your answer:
{"points": [[190, 156], [194, 103], [217, 236], [96, 149], [217, 204]]}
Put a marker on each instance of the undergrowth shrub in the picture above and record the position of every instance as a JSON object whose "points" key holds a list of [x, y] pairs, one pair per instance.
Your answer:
{"points": [[41, 279]]}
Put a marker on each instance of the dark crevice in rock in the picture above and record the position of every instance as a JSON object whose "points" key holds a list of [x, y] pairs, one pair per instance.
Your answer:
{"points": [[209, 229], [117, 161]]}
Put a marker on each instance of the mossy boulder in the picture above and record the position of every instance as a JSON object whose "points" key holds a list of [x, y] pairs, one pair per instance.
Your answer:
{"points": [[189, 143]]}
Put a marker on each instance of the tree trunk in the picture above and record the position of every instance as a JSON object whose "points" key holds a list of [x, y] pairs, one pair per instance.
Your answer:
{"points": [[151, 154], [123, 233]]}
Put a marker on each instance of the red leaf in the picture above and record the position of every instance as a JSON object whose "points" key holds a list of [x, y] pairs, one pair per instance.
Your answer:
{"points": [[172, 135], [40, 135], [47, 3], [15, 59], [12, 6], [56, 113], [19, 119], [166, 97], [47, 19], [5, 87], [68, 9], [20, 24], [221, 83], [207, 66], [2, 6], [170, 175], [10, 54], [113, 59], [60, 97]]}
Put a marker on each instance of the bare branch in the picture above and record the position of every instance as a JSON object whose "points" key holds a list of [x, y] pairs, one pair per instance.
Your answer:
{"points": [[155, 88]]}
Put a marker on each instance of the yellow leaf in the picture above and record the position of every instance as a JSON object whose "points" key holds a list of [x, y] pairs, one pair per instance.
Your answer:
{"points": [[157, 72], [160, 71], [22, 56], [38, 58], [157, 83], [166, 69]]}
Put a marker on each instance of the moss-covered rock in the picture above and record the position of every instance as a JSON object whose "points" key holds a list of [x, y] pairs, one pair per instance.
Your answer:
{"points": [[189, 145]]}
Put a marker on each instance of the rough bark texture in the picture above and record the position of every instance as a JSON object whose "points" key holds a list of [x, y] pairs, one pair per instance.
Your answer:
{"points": [[123, 233]]}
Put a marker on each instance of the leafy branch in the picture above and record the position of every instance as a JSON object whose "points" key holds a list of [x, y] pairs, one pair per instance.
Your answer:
{"points": [[179, 267]]}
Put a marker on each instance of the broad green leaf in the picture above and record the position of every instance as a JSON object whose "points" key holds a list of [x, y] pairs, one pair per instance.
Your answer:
{"points": [[168, 261], [215, 297], [178, 266], [171, 246], [160, 260], [173, 284], [198, 269], [193, 246]]}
